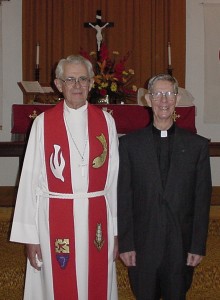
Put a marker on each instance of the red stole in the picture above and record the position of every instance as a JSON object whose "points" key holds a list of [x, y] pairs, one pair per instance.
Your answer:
{"points": [[61, 211]]}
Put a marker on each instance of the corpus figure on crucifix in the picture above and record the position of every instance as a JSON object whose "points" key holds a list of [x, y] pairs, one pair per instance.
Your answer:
{"points": [[99, 26], [99, 33]]}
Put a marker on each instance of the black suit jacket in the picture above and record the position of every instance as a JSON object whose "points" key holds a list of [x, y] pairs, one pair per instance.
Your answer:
{"points": [[143, 204]]}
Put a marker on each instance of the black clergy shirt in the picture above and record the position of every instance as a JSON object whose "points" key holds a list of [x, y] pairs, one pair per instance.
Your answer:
{"points": [[164, 143]]}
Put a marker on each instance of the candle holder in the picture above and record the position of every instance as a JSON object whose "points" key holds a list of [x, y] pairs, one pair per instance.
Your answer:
{"points": [[37, 73], [170, 70]]}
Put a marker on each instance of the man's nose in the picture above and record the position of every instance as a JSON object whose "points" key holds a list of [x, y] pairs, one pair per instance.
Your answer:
{"points": [[77, 84], [164, 97]]}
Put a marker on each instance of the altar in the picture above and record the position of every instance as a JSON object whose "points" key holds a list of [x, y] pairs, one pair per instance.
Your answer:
{"points": [[128, 117]]}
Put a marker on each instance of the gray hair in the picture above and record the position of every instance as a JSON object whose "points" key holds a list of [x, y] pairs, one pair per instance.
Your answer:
{"points": [[165, 77], [74, 59]]}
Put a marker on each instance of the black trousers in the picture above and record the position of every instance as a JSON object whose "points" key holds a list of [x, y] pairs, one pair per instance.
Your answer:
{"points": [[164, 275], [167, 282]]}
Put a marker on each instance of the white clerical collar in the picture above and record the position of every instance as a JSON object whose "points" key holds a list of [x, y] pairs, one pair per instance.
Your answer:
{"points": [[163, 133], [75, 111]]}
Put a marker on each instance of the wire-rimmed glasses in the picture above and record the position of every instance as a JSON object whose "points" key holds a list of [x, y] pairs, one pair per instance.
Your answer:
{"points": [[158, 96], [71, 81]]}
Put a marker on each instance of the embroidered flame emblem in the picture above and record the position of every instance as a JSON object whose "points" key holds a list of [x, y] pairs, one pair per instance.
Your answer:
{"points": [[62, 246], [57, 163], [100, 160], [99, 241]]}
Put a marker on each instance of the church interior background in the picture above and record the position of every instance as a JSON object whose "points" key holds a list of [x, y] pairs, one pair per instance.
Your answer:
{"points": [[155, 36]]}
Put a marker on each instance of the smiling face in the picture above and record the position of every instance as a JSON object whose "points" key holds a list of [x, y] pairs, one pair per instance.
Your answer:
{"points": [[162, 108], [74, 94]]}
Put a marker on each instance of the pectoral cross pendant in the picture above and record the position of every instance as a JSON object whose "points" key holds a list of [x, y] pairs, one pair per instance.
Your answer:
{"points": [[83, 166]]}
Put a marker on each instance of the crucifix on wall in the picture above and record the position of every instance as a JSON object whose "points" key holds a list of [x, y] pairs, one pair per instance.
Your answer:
{"points": [[99, 26]]}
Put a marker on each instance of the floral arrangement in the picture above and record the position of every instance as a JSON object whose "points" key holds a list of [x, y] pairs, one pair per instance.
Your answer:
{"points": [[112, 81]]}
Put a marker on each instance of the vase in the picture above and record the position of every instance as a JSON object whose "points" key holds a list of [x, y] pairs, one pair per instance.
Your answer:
{"points": [[103, 100]]}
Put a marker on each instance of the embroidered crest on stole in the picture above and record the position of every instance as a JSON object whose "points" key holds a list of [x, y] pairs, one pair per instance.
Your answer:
{"points": [[100, 160], [62, 252], [99, 241]]}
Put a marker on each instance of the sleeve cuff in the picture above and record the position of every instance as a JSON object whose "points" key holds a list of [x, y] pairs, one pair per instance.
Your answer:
{"points": [[24, 233]]}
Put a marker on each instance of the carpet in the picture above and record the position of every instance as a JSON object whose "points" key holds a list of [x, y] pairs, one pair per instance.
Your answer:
{"points": [[12, 262], [206, 283]]}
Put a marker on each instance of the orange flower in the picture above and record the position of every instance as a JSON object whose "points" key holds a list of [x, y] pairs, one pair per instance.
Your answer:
{"points": [[111, 76]]}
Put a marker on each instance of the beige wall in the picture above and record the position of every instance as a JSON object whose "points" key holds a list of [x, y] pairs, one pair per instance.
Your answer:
{"points": [[12, 73], [195, 74]]}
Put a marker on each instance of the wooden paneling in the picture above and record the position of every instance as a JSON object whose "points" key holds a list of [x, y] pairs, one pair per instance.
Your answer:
{"points": [[17, 149], [8, 195]]}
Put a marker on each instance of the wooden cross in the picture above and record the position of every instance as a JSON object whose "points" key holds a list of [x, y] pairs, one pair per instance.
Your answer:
{"points": [[98, 26]]}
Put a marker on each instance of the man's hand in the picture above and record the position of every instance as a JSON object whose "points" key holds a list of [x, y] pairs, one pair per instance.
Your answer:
{"points": [[194, 259], [129, 258], [34, 255]]}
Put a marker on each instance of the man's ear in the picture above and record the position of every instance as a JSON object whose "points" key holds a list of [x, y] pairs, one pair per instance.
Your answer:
{"points": [[178, 99], [147, 98], [91, 83], [58, 85]]}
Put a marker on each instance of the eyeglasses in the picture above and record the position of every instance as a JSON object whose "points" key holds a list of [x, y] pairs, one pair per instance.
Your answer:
{"points": [[157, 96], [83, 81]]}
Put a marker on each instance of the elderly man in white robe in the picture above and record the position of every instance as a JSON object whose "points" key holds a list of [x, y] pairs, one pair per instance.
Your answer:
{"points": [[66, 207]]}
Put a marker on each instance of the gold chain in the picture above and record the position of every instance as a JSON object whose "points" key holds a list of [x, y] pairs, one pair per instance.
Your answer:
{"points": [[84, 150]]}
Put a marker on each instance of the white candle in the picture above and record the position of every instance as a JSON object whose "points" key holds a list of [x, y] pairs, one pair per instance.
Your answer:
{"points": [[169, 53], [38, 54]]}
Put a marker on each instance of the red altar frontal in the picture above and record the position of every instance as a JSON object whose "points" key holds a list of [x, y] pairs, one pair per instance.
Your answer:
{"points": [[128, 117]]}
